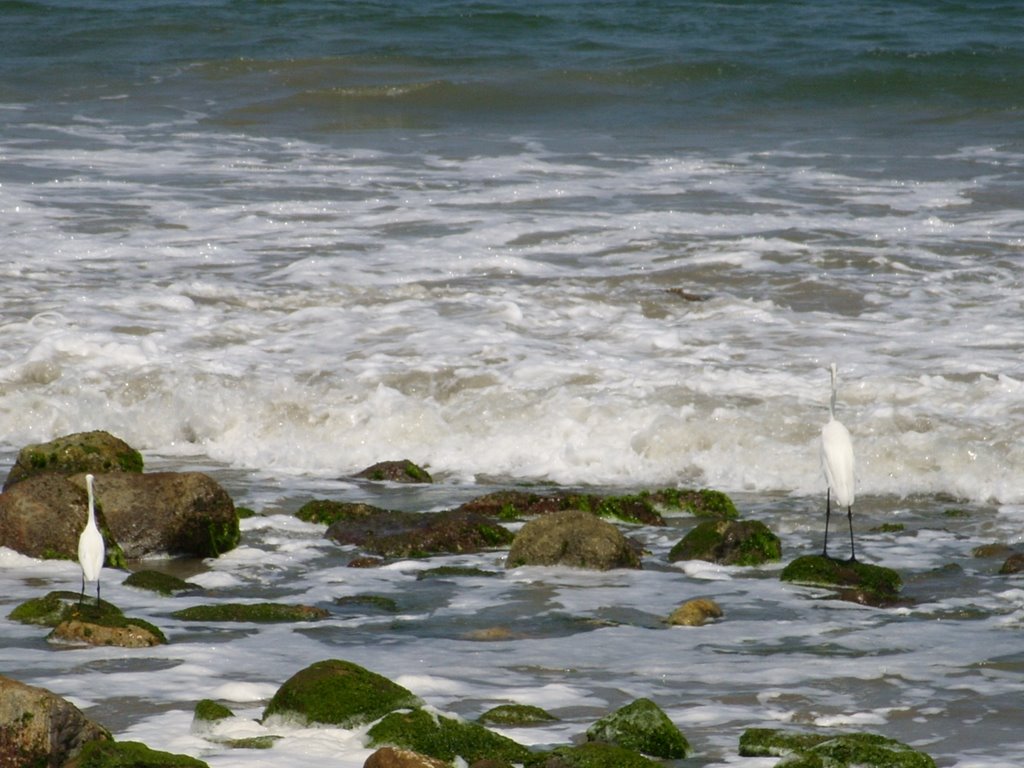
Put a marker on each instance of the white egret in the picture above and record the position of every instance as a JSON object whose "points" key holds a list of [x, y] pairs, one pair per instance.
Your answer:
{"points": [[837, 462], [91, 549]]}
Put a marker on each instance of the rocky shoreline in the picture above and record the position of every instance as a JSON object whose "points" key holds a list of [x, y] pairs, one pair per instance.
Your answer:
{"points": [[585, 531]]}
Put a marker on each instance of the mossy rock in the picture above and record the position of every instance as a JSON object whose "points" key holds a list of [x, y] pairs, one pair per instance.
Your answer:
{"points": [[337, 692], [444, 738], [420, 534], [807, 750], [729, 542], [130, 754], [595, 754], [573, 538], [628, 509], [97, 452], [104, 625], [373, 602], [643, 727], [516, 714], [209, 711], [326, 511], [244, 513], [855, 581], [161, 583], [261, 613], [401, 471], [695, 613], [704, 502], [51, 609], [455, 571]]}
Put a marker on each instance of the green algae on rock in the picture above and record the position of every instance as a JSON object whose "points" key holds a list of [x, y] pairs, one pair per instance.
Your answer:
{"points": [[208, 710], [516, 714], [729, 542], [326, 511], [812, 750], [595, 754], [262, 613], [643, 727], [97, 452], [444, 738], [855, 581], [401, 471], [704, 502], [161, 583], [130, 754], [573, 538], [87, 622], [337, 692]]}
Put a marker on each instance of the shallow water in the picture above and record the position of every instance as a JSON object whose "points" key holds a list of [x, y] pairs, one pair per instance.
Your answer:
{"points": [[939, 672]]}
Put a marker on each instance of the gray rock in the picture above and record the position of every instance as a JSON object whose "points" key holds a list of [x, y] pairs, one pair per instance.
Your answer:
{"points": [[573, 538]]}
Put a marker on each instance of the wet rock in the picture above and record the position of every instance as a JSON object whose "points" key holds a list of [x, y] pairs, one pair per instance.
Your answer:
{"points": [[119, 754], [420, 534], [161, 583], [695, 613], [704, 502], [260, 613], [368, 602], [1013, 564], [86, 623], [516, 715], [44, 514], [336, 692], [389, 757], [327, 512], [729, 542], [37, 727], [515, 505], [402, 471], [209, 711], [992, 550], [595, 754], [104, 625], [854, 581], [643, 727], [172, 513], [573, 538], [96, 452], [444, 738], [863, 750]]}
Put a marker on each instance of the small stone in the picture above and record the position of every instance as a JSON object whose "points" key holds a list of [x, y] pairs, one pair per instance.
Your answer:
{"points": [[695, 613], [389, 757]]}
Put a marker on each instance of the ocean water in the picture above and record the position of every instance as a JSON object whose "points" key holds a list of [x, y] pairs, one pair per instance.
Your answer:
{"points": [[608, 245]]}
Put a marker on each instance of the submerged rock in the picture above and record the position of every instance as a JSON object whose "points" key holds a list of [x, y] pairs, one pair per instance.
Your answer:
{"points": [[595, 754], [161, 583], [336, 692], [1013, 564], [88, 622], [813, 750], [855, 581], [704, 502], [444, 738], [402, 471], [516, 714], [572, 538], [38, 727], [97, 452], [643, 727], [261, 613], [729, 542], [120, 754], [389, 757], [695, 613], [420, 534]]}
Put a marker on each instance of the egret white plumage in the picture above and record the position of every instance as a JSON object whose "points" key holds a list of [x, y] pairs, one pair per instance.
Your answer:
{"points": [[91, 549], [837, 462]]}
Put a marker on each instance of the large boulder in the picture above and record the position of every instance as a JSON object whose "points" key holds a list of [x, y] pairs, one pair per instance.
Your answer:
{"points": [[160, 513], [337, 692], [172, 513], [854, 581], [417, 534], [43, 515], [729, 542], [96, 452], [38, 727], [573, 538]]}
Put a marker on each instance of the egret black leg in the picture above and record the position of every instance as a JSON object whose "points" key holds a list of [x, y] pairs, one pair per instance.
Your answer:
{"points": [[828, 514], [853, 553]]}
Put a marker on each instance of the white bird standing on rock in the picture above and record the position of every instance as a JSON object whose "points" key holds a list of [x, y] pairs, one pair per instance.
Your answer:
{"points": [[91, 549], [837, 462]]}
